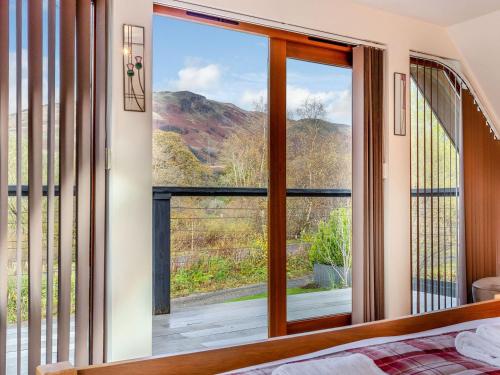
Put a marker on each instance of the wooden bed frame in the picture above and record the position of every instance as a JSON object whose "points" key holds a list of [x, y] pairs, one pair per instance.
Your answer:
{"points": [[231, 358]]}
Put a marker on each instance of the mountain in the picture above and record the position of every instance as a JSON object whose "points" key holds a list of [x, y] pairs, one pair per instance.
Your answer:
{"points": [[203, 123]]}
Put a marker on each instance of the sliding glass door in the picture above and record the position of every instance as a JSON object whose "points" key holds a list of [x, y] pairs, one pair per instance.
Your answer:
{"points": [[319, 174], [252, 164], [210, 173]]}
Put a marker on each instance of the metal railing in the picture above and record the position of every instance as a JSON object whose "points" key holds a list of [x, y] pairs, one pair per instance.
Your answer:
{"points": [[162, 227], [162, 219], [434, 248]]}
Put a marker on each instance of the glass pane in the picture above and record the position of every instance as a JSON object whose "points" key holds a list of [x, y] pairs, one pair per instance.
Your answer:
{"points": [[210, 130], [319, 156], [210, 93], [435, 119]]}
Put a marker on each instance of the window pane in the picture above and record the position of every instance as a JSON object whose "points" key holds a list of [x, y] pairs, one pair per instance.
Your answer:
{"points": [[209, 102], [319, 156], [435, 119], [210, 130]]}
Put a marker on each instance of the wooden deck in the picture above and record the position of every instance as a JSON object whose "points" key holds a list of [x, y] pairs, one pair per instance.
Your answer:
{"points": [[232, 323]]}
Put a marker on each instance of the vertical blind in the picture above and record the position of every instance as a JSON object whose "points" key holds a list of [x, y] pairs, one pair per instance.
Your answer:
{"points": [[481, 150], [52, 182], [436, 135]]}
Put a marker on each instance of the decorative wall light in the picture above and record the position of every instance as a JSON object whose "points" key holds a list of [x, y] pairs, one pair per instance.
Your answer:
{"points": [[399, 104], [133, 69]]}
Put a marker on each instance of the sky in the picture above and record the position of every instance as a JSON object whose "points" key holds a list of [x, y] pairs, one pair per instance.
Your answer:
{"points": [[231, 66], [24, 54], [223, 65]]}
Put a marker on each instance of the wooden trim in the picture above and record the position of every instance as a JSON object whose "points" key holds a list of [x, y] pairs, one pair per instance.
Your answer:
{"points": [[320, 55], [250, 28], [277, 189], [231, 358], [283, 44], [323, 322], [61, 368]]}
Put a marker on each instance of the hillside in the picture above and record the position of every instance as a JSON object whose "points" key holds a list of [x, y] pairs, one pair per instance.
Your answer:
{"points": [[204, 124]]}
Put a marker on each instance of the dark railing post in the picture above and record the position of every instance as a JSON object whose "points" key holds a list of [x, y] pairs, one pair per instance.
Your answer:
{"points": [[161, 253]]}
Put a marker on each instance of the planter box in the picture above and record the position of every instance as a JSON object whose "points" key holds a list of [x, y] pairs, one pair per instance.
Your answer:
{"points": [[327, 276]]}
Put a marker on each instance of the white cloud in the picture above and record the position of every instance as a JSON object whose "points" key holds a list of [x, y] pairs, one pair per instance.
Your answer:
{"points": [[195, 79], [251, 97], [337, 103]]}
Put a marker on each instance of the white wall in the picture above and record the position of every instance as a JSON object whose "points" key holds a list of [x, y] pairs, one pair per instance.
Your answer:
{"points": [[400, 35], [129, 261], [478, 42]]}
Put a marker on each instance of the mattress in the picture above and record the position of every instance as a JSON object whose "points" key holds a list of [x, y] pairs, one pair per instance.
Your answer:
{"points": [[426, 352]]}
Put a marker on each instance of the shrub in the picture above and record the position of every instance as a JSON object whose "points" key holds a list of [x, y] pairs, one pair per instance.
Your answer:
{"points": [[331, 244]]}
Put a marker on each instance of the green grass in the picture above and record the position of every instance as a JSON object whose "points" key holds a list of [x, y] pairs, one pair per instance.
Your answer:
{"points": [[289, 292], [213, 273], [12, 297]]}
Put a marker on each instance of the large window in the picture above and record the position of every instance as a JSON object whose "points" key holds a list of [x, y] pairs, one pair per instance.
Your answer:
{"points": [[436, 123], [246, 249]]}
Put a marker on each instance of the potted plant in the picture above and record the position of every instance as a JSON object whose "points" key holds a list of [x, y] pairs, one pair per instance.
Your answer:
{"points": [[330, 251]]}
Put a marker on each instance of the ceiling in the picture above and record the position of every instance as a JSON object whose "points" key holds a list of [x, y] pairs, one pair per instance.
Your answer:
{"points": [[440, 12]]}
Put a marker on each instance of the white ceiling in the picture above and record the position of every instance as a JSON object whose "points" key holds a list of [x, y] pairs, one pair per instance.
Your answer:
{"points": [[440, 12]]}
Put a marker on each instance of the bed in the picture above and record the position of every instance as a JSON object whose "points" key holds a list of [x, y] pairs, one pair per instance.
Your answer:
{"points": [[432, 351], [408, 345]]}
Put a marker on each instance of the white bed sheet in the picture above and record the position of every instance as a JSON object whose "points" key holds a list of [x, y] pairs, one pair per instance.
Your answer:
{"points": [[473, 324]]}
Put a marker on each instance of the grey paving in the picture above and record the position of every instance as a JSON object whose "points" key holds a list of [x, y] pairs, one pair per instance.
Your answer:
{"points": [[222, 324], [193, 328]]}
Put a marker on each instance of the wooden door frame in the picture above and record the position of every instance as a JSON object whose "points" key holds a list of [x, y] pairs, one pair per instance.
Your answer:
{"points": [[282, 45]]}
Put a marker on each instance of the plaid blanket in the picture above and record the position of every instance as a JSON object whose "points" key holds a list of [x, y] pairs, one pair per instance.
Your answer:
{"points": [[434, 355]]}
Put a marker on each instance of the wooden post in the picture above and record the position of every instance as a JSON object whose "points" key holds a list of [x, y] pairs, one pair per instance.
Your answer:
{"points": [[277, 190], [61, 368], [161, 254]]}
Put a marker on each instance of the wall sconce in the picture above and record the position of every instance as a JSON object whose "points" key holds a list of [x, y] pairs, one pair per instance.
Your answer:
{"points": [[399, 104], [133, 69]]}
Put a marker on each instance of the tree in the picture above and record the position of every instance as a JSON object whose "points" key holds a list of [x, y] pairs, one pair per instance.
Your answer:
{"points": [[174, 164], [331, 244], [244, 153], [318, 156]]}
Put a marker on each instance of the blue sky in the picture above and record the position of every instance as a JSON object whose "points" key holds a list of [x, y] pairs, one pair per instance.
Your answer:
{"points": [[231, 66], [24, 66], [223, 65]]}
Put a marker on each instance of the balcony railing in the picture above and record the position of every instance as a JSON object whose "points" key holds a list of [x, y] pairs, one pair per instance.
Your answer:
{"points": [[162, 197], [434, 248], [162, 232]]}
